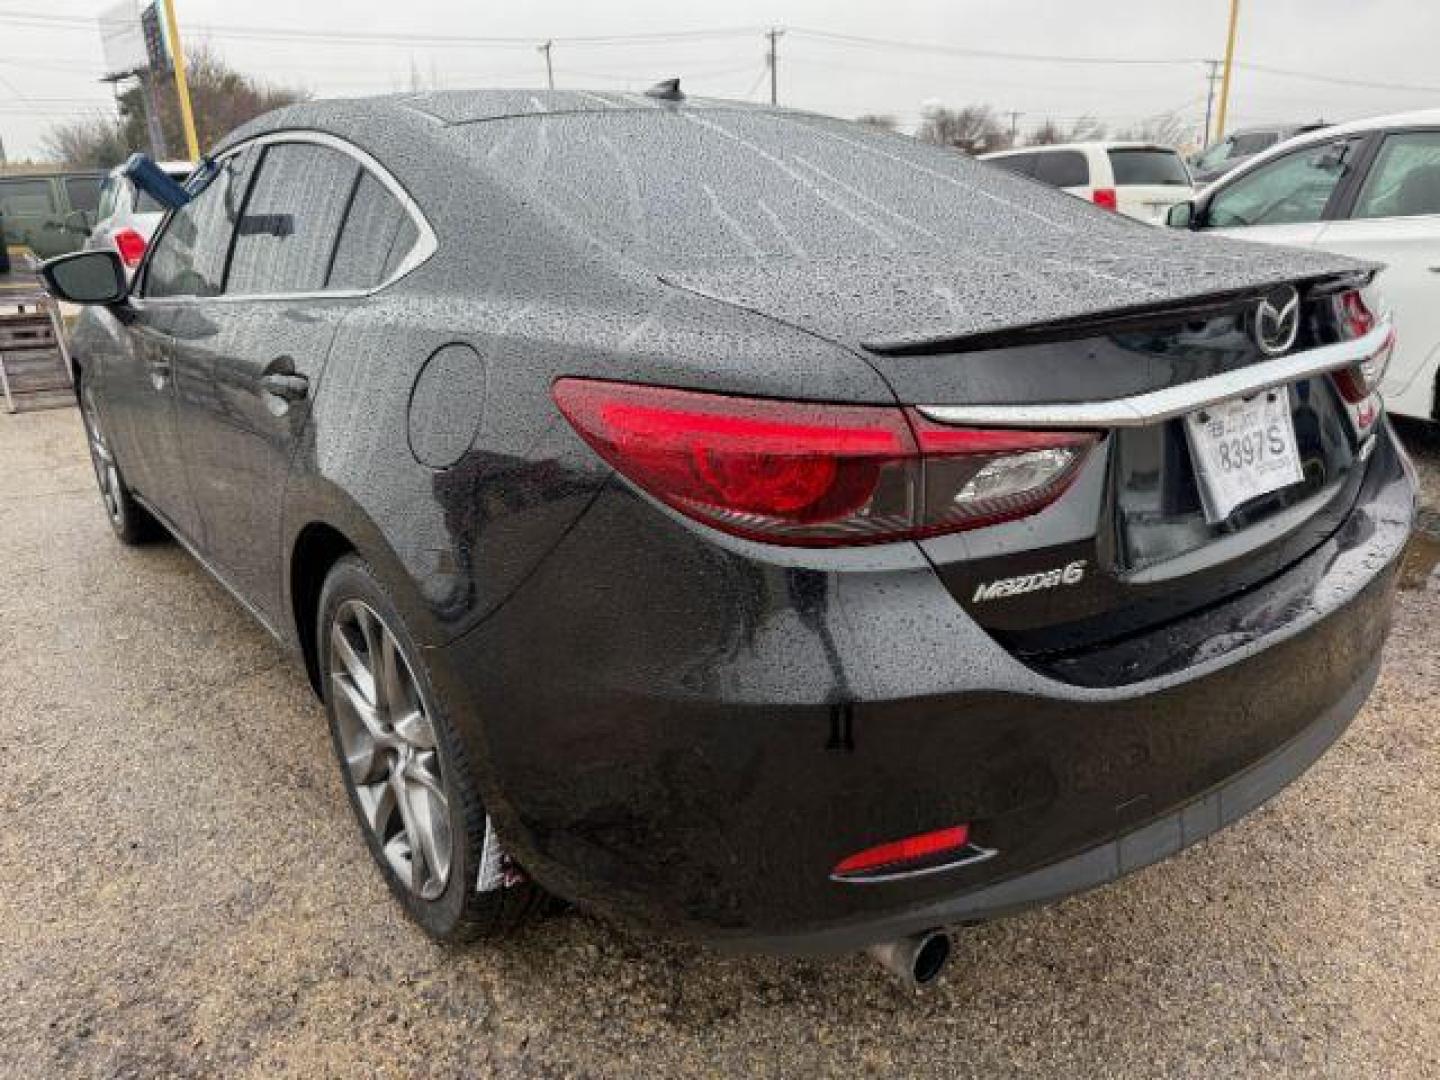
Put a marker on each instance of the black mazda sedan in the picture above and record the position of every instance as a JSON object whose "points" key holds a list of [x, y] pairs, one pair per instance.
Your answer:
{"points": [[746, 524]]}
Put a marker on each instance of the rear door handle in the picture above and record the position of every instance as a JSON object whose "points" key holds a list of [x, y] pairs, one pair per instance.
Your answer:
{"points": [[285, 387]]}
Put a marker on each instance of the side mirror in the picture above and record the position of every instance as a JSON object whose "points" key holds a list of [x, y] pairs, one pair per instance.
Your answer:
{"points": [[1181, 215], [78, 221], [86, 277]]}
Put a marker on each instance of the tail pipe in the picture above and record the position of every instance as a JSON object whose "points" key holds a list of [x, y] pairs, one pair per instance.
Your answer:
{"points": [[915, 961]]}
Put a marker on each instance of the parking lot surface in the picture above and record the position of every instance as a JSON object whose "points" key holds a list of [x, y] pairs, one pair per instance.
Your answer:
{"points": [[183, 891]]}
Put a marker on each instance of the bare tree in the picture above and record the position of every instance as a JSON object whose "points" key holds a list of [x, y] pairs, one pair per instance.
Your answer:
{"points": [[222, 98], [96, 143], [1164, 129], [1085, 129], [973, 129], [1047, 134], [881, 121]]}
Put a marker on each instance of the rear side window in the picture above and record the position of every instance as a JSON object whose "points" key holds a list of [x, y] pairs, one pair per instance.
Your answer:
{"points": [[1062, 168], [1405, 179], [291, 222], [1020, 164], [1145, 166], [83, 192], [26, 197], [189, 256], [372, 226]]}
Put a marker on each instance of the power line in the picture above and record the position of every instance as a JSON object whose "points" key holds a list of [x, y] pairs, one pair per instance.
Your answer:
{"points": [[760, 78], [1338, 80], [252, 32], [363, 37], [957, 50]]}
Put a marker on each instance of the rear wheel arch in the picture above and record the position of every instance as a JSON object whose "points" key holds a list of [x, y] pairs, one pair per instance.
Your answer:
{"points": [[317, 548]]}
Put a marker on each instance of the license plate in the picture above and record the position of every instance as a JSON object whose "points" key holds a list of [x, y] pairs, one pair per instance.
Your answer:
{"points": [[1242, 448]]}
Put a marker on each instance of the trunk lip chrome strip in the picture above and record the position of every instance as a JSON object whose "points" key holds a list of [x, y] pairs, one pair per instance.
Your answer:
{"points": [[1156, 406]]}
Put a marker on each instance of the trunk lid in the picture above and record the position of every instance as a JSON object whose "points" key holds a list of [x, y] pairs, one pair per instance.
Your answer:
{"points": [[1132, 544], [884, 302]]}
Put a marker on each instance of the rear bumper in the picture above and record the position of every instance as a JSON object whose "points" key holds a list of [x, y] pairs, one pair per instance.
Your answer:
{"points": [[688, 733], [1113, 859]]}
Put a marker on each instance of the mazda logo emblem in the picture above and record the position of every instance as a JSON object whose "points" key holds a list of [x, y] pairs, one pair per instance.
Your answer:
{"points": [[1277, 321]]}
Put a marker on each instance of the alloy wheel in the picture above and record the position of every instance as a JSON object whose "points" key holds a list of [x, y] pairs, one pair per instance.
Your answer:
{"points": [[106, 474], [388, 744]]}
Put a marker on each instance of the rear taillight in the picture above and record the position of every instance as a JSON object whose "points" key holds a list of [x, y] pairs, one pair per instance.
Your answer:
{"points": [[1357, 383], [818, 475], [1106, 199], [131, 246]]}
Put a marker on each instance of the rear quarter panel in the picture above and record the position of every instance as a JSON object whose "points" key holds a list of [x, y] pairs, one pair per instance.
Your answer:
{"points": [[434, 443]]}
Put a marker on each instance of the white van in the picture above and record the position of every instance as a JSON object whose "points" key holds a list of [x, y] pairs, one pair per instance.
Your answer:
{"points": [[1140, 180]]}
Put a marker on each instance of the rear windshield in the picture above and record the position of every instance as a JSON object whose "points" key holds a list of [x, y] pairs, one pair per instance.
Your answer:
{"points": [[146, 204], [1148, 167], [675, 187]]}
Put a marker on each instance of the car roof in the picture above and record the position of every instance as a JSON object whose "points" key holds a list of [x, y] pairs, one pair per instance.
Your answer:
{"points": [[1414, 118], [1095, 144], [364, 118], [170, 168], [476, 106]]}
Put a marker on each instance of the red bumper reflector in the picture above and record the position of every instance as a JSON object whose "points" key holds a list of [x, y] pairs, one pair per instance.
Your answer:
{"points": [[1106, 198], [911, 849]]}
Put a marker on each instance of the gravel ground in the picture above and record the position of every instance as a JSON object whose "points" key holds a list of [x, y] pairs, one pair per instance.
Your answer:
{"points": [[182, 890]]}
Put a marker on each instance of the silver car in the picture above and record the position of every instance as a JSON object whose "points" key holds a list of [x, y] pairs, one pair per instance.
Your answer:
{"points": [[127, 216]]}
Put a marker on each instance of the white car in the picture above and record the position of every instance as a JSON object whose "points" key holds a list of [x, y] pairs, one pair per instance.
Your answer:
{"points": [[1369, 188], [128, 217], [1140, 180]]}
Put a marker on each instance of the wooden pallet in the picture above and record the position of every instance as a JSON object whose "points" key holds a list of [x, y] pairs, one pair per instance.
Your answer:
{"points": [[34, 365]]}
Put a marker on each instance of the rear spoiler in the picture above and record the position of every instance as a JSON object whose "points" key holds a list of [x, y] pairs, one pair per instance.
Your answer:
{"points": [[1159, 405], [1117, 321]]}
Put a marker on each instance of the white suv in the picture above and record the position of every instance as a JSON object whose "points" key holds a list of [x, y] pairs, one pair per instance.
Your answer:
{"points": [[1140, 180], [128, 217]]}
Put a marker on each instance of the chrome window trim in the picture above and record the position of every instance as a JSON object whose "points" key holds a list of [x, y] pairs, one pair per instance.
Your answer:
{"points": [[1172, 401], [426, 242]]}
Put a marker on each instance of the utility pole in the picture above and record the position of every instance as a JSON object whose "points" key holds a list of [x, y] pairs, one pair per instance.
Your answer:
{"points": [[1015, 115], [549, 68], [1210, 98], [153, 130], [182, 84], [1229, 64], [772, 59]]}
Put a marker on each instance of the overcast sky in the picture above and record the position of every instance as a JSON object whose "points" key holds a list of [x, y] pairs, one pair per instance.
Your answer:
{"points": [[50, 57]]}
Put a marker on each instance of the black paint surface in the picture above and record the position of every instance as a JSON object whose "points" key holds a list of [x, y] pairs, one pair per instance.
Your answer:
{"points": [[680, 728]]}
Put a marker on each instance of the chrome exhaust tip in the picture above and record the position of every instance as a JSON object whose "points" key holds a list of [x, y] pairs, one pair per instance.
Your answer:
{"points": [[915, 961]]}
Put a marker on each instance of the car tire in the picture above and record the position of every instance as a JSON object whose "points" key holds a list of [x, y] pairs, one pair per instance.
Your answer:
{"points": [[132, 523], [405, 771]]}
